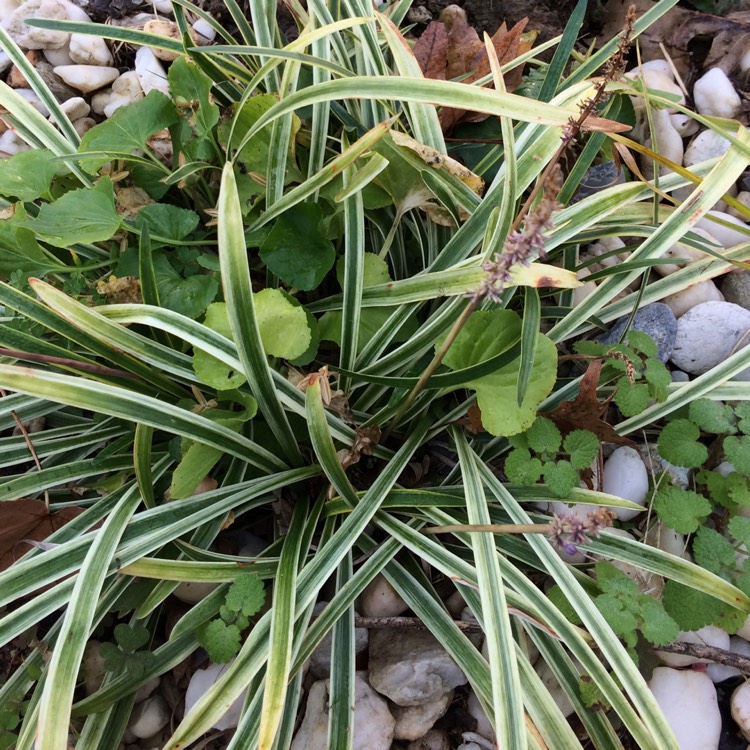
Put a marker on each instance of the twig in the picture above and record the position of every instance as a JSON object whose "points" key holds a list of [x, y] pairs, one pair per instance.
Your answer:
{"points": [[65, 362], [716, 655], [410, 623]]}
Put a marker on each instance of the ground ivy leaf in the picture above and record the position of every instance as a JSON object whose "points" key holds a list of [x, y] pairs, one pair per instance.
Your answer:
{"points": [[190, 89], [631, 398], [210, 370], [246, 594], [656, 625], [28, 175], [658, 378], [131, 637], [560, 477], [678, 444], [739, 528], [713, 551], [681, 510], [221, 641], [742, 413], [128, 129], [297, 249], [283, 326], [691, 609], [167, 221], [642, 342], [189, 296], [486, 334], [711, 416], [582, 446], [79, 216], [521, 468], [543, 436], [375, 270], [737, 451]]}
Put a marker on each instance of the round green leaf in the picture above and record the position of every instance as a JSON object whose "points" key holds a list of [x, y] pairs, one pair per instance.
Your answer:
{"points": [[283, 327]]}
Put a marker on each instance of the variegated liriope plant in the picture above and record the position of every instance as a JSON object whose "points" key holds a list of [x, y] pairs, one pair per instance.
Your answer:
{"points": [[244, 329]]}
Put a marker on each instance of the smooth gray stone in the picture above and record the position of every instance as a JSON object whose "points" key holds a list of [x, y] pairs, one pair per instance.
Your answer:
{"points": [[736, 288], [657, 320]]}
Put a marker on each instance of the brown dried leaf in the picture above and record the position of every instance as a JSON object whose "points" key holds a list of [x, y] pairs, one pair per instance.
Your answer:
{"points": [[431, 51], [473, 419], [465, 48], [586, 412], [27, 520]]}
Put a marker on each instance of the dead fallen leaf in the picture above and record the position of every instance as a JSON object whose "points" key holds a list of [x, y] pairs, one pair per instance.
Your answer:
{"points": [[473, 419], [27, 520], [431, 50], [451, 49], [122, 290], [586, 412], [364, 445]]}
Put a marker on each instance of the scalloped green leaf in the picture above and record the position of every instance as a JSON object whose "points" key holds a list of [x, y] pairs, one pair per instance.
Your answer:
{"points": [[486, 334], [79, 217], [27, 175], [283, 326], [210, 370]]}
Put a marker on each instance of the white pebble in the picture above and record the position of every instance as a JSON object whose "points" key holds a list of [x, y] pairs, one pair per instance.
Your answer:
{"points": [[59, 56], [704, 291], [90, 50], [741, 708], [150, 72], [86, 78], [743, 197], [691, 254], [192, 592], [11, 144], [726, 236], [149, 717], [714, 94], [684, 124], [707, 334], [688, 700], [666, 141], [705, 145], [163, 6], [205, 29], [380, 599], [167, 29], [76, 108], [625, 476], [201, 682], [34, 100]]}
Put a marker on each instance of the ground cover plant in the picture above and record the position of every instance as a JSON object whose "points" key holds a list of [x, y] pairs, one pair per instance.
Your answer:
{"points": [[272, 300]]}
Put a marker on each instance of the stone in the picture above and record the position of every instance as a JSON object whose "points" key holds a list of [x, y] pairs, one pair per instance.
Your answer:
{"points": [[11, 144], [86, 78], [705, 145], [34, 100], [372, 726], [413, 668], [688, 700], [412, 722], [707, 334], [556, 691], [666, 141], [704, 291], [200, 682], [740, 703], [725, 236], [435, 739], [149, 717], [59, 56], [714, 95], [76, 108], [29, 37], [204, 30], [380, 599], [597, 178], [656, 466], [689, 253], [320, 659], [657, 320], [5, 61], [192, 592], [90, 50], [736, 288], [743, 198], [151, 73], [684, 124], [59, 89], [168, 29], [477, 712], [625, 476]]}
